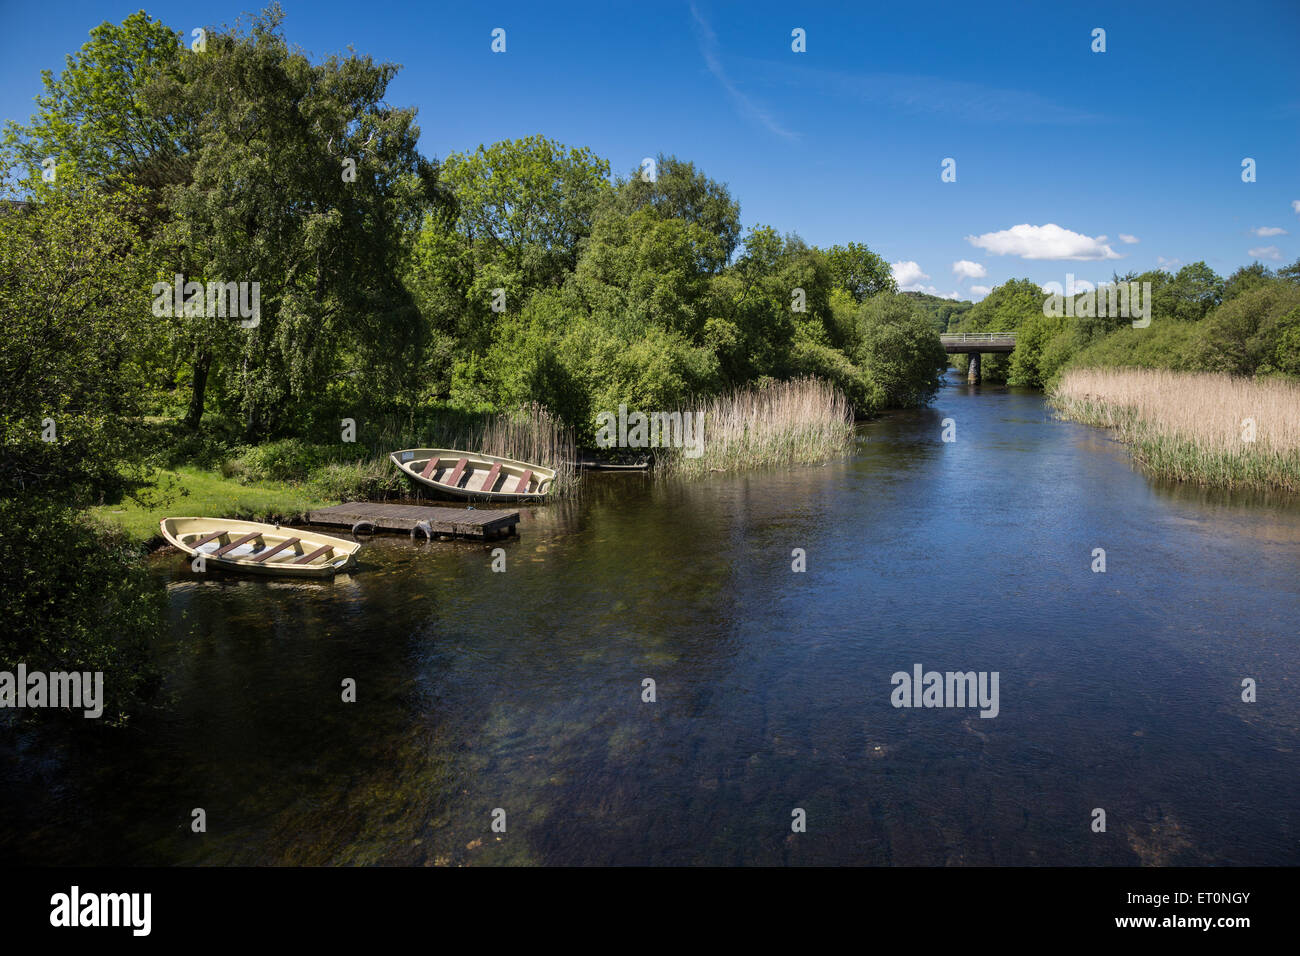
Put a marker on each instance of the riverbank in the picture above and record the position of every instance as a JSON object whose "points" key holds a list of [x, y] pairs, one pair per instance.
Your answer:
{"points": [[1208, 429], [188, 490], [781, 424]]}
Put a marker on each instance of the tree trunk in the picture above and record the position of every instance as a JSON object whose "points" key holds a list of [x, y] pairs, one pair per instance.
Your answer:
{"points": [[202, 365]]}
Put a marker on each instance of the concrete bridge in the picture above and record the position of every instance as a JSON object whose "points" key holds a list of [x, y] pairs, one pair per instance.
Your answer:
{"points": [[975, 343]]}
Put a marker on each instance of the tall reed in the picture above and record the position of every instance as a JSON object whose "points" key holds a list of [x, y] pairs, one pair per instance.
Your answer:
{"points": [[1203, 428], [529, 433], [784, 423]]}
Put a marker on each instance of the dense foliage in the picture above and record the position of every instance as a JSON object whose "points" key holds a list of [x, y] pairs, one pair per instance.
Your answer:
{"points": [[553, 284], [1247, 325], [73, 289], [390, 288]]}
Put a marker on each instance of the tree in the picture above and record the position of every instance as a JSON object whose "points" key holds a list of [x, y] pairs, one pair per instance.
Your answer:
{"points": [[679, 191], [1194, 291], [74, 293], [1253, 332], [527, 206], [1032, 340], [74, 284], [1246, 278], [1005, 309], [859, 271], [900, 351], [306, 182], [97, 120]]}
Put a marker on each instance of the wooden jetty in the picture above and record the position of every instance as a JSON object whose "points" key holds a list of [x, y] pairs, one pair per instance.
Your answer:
{"points": [[463, 522]]}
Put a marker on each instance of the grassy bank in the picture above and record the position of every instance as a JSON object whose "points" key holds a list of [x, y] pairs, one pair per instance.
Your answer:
{"points": [[281, 480], [1203, 428], [195, 491], [781, 424], [785, 423]]}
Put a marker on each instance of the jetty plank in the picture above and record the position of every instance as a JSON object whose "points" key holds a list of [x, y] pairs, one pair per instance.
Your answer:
{"points": [[461, 522]]}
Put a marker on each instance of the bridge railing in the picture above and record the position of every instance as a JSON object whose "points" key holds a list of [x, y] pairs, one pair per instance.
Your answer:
{"points": [[975, 338]]}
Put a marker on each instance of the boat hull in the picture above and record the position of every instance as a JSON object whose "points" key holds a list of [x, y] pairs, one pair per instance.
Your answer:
{"points": [[505, 473], [188, 535]]}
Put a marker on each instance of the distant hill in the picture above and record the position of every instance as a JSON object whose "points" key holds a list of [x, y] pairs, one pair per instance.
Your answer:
{"points": [[941, 311]]}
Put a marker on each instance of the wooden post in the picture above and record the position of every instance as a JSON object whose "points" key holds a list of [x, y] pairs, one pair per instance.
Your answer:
{"points": [[973, 372]]}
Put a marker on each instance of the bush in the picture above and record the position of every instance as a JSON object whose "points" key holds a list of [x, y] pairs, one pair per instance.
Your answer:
{"points": [[77, 598], [290, 459], [900, 352], [1164, 344], [1251, 332], [1032, 339]]}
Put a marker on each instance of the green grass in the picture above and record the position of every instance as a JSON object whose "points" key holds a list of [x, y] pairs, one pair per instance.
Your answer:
{"points": [[193, 491]]}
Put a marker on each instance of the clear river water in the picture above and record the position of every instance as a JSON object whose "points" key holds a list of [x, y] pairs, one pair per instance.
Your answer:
{"points": [[522, 691]]}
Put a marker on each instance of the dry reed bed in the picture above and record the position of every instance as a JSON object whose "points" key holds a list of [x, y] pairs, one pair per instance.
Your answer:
{"points": [[785, 423], [1193, 426]]}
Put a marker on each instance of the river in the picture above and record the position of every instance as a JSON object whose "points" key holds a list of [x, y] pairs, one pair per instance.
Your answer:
{"points": [[521, 691]]}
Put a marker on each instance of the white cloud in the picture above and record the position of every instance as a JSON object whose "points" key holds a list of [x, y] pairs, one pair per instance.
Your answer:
{"points": [[1265, 252], [1128, 240], [1164, 263], [908, 274], [1265, 231], [1044, 242], [980, 290], [708, 44], [965, 269]]}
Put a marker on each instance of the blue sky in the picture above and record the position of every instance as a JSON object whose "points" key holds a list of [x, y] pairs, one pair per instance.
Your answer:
{"points": [[844, 142]]}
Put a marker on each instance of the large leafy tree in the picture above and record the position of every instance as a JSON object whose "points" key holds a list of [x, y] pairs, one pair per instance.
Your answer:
{"points": [[1006, 308], [859, 271], [307, 182], [1193, 292], [526, 206], [97, 119], [1258, 331], [677, 190], [520, 217]]}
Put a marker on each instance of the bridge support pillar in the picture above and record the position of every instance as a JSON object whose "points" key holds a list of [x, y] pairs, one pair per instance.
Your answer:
{"points": [[973, 372]]}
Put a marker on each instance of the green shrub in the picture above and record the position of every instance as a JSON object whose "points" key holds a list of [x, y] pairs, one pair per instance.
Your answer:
{"points": [[290, 459], [77, 598]]}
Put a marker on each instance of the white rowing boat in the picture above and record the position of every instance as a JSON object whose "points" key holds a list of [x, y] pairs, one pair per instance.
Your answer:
{"points": [[260, 548], [467, 474]]}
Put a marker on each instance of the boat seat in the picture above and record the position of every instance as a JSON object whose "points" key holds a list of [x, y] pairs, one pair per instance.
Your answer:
{"points": [[524, 479], [236, 543], [206, 538], [268, 552], [457, 473], [309, 558], [490, 481], [428, 469]]}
